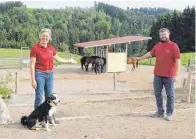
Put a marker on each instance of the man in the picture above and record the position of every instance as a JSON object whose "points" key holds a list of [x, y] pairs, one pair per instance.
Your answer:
{"points": [[166, 72]]}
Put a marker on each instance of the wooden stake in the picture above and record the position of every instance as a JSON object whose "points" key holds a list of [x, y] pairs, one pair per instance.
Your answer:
{"points": [[189, 84], [188, 65], [16, 83], [184, 83], [114, 77]]}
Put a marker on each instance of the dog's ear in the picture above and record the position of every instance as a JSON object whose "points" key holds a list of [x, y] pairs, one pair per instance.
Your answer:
{"points": [[52, 96], [48, 101]]}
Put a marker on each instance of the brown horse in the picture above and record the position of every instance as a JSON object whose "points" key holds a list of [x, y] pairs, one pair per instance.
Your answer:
{"points": [[132, 60]]}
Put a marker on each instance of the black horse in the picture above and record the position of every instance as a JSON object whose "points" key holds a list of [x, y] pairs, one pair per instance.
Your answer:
{"points": [[99, 65], [83, 61], [91, 60]]}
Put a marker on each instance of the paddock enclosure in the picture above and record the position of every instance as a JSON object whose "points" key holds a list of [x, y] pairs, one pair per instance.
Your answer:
{"points": [[115, 61], [90, 108]]}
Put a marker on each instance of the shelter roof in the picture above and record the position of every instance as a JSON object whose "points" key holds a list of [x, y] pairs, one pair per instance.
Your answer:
{"points": [[111, 41]]}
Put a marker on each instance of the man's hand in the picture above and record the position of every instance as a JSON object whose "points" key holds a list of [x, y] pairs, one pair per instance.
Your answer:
{"points": [[177, 70], [147, 55], [175, 78], [34, 84], [138, 58]]}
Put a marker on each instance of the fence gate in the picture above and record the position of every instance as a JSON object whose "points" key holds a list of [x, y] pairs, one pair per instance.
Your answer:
{"points": [[24, 57]]}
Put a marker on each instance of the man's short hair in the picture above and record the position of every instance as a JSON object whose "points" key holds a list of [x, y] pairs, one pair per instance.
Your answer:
{"points": [[164, 30]]}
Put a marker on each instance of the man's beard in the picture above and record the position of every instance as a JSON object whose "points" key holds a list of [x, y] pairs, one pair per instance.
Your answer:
{"points": [[164, 41]]}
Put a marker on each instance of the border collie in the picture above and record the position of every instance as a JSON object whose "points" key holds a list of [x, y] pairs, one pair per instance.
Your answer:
{"points": [[41, 115]]}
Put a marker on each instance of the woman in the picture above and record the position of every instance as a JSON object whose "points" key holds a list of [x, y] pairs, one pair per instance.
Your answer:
{"points": [[42, 77]]}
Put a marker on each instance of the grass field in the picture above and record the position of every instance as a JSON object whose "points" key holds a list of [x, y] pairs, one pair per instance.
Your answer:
{"points": [[15, 53], [184, 59]]}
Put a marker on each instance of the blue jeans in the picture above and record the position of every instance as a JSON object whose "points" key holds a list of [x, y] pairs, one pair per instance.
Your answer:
{"points": [[45, 85], [168, 83]]}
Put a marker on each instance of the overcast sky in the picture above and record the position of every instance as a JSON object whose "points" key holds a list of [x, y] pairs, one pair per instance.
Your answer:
{"points": [[51, 4]]}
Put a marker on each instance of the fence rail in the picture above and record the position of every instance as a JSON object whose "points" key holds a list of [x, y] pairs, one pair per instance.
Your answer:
{"points": [[13, 63]]}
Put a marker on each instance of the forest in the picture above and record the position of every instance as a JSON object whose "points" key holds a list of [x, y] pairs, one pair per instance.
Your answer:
{"points": [[20, 26]]}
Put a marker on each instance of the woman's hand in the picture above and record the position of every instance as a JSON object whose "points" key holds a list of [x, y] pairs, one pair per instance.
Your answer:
{"points": [[72, 61], [62, 60]]}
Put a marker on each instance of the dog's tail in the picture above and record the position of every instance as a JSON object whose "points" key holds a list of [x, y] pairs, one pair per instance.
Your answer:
{"points": [[23, 120]]}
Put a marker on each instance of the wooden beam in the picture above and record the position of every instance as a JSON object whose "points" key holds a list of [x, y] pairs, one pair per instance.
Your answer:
{"points": [[114, 78], [189, 84]]}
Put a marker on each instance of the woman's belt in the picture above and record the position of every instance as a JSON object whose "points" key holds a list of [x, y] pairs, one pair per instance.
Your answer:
{"points": [[47, 71]]}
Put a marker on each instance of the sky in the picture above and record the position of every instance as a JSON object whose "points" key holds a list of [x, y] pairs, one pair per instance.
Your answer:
{"points": [[56, 4]]}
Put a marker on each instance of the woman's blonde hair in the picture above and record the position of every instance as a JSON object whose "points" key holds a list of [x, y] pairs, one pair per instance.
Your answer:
{"points": [[46, 30]]}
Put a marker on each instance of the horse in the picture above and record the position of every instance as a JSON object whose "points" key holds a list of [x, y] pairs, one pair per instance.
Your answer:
{"points": [[132, 60], [99, 64], [91, 60], [83, 61]]}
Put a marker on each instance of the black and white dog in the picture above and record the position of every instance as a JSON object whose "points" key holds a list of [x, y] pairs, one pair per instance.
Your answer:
{"points": [[41, 115]]}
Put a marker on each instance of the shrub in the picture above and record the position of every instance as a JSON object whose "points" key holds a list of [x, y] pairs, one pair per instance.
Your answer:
{"points": [[6, 83]]}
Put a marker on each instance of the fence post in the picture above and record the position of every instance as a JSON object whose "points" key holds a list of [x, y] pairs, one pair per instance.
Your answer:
{"points": [[189, 84], [114, 78], [70, 57], [16, 83], [188, 65], [184, 83], [21, 58]]}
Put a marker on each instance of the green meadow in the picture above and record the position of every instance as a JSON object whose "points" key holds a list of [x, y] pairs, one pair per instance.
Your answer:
{"points": [[15, 53]]}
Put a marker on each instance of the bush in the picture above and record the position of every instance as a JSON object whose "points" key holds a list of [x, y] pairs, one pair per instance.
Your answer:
{"points": [[6, 80], [5, 92]]}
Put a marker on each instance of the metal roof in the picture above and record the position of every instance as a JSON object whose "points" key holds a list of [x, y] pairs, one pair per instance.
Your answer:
{"points": [[108, 42]]}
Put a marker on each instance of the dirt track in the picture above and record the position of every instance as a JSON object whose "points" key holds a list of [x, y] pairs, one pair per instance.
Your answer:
{"points": [[91, 109]]}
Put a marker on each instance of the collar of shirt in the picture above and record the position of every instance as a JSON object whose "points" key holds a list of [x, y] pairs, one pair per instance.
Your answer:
{"points": [[48, 45]]}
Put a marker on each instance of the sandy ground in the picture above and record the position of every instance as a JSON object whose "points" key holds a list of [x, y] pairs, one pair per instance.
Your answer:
{"points": [[91, 109]]}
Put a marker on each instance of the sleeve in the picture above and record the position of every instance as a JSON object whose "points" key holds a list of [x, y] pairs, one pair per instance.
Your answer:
{"points": [[152, 51], [33, 52], [54, 51], [176, 52]]}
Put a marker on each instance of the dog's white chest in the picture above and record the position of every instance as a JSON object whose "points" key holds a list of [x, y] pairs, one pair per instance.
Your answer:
{"points": [[52, 111]]}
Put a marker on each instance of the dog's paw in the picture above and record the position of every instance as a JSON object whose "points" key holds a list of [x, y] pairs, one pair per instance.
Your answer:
{"points": [[54, 124], [48, 129], [37, 129]]}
